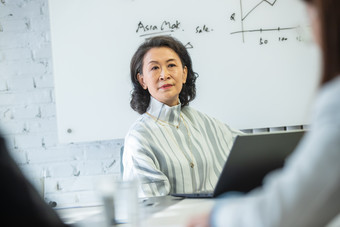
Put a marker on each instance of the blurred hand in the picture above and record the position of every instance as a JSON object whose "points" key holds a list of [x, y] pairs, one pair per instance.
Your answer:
{"points": [[202, 220]]}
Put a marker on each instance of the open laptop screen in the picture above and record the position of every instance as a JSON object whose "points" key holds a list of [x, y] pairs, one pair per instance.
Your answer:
{"points": [[252, 157]]}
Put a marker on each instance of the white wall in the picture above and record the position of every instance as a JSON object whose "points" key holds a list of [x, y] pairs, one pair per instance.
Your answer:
{"points": [[28, 112]]}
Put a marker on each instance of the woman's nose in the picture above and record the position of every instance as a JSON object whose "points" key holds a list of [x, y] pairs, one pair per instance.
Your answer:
{"points": [[164, 74]]}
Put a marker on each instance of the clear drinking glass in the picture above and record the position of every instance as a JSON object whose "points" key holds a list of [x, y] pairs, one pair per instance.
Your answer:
{"points": [[120, 200]]}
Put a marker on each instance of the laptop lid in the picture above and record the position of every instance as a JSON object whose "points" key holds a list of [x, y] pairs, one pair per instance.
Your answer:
{"points": [[252, 157]]}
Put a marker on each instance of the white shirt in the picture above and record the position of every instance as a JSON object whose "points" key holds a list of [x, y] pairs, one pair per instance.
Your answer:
{"points": [[159, 155], [306, 192]]}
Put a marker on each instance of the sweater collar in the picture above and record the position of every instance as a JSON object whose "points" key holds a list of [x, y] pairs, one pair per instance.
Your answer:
{"points": [[163, 112]]}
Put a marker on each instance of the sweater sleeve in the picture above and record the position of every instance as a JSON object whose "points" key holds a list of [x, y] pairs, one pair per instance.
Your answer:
{"points": [[141, 164]]}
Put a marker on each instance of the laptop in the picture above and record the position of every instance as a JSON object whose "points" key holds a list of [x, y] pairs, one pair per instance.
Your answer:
{"points": [[251, 158]]}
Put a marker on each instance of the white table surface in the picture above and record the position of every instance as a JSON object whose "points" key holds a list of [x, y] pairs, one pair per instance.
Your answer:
{"points": [[157, 214], [154, 214]]}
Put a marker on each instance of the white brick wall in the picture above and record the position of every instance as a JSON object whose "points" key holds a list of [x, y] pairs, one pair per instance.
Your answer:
{"points": [[63, 173]]}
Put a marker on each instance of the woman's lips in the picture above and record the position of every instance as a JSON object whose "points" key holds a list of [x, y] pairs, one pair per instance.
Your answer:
{"points": [[166, 86]]}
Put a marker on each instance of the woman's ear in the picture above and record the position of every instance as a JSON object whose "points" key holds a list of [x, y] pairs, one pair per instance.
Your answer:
{"points": [[140, 79], [185, 74]]}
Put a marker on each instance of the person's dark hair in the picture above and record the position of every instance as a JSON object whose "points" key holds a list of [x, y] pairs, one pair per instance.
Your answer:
{"points": [[140, 98], [329, 19]]}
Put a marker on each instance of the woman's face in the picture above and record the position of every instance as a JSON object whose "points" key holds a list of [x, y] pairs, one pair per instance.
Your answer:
{"points": [[163, 75]]}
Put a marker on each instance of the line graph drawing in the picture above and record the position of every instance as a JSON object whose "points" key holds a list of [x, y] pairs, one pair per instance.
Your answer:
{"points": [[247, 8], [271, 3]]}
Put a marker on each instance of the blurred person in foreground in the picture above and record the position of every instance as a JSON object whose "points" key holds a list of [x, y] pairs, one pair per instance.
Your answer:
{"points": [[21, 204]]}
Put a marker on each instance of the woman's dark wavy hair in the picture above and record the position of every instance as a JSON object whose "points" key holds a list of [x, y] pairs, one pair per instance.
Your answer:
{"points": [[329, 18], [140, 98]]}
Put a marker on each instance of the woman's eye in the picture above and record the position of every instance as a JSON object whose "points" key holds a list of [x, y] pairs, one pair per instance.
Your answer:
{"points": [[171, 65], [154, 68]]}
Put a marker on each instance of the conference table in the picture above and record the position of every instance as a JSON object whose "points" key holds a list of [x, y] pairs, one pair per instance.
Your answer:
{"points": [[163, 211]]}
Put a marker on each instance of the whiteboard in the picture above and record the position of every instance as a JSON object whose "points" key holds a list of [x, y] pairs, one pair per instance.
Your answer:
{"points": [[256, 63]]}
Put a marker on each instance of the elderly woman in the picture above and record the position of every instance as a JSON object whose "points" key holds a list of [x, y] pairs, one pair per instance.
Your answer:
{"points": [[171, 148]]}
